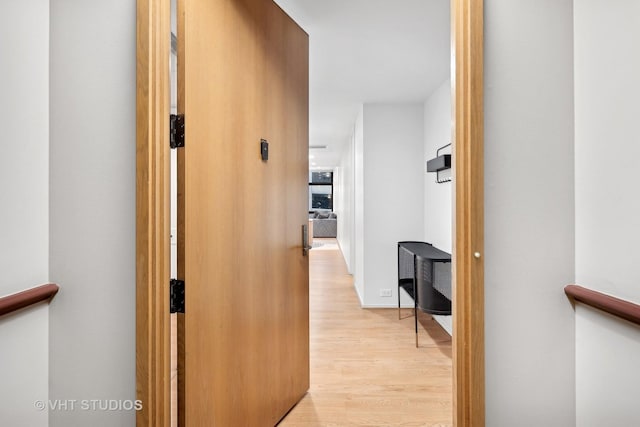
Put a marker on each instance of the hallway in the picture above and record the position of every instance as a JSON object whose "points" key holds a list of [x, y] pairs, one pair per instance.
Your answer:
{"points": [[365, 369]]}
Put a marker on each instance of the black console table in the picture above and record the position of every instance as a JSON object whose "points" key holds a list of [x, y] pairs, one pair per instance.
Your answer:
{"points": [[424, 272]]}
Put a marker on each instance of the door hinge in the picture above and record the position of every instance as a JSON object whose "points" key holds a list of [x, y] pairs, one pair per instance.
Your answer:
{"points": [[176, 296], [176, 132]]}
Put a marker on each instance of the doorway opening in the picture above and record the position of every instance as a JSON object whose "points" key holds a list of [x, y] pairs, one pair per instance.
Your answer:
{"points": [[380, 103], [154, 323]]}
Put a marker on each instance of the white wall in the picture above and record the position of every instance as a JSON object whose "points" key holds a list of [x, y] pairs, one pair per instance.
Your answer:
{"points": [[358, 150], [529, 213], [607, 67], [92, 210], [24, 163], [393, 192], [437, 197], [24, 366], [344, 204], [607, 374], [24, 171], [383, 165], [607, 89]]}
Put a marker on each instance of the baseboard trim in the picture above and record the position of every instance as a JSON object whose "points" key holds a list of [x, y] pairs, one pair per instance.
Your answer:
{"points": [[446, 322]]}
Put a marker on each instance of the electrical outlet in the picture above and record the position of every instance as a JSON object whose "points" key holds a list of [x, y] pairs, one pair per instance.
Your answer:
{"points": [[385, 292]]}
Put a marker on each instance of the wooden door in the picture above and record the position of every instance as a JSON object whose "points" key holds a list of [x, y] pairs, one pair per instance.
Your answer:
{"points": [[243, 350]]}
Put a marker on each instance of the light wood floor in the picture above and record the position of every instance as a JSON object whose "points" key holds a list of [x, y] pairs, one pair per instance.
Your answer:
{"points": [[365, 369]]}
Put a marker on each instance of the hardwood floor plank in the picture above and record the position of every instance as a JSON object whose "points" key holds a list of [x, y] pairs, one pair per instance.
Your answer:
{"points": [[365, 369]]}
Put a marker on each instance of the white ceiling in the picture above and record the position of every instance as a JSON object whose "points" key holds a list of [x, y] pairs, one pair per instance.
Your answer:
{"points": [[363, 51]]}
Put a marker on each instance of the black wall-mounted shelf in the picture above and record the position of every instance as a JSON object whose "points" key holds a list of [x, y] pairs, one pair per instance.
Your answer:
{"points": [[440, 163]]}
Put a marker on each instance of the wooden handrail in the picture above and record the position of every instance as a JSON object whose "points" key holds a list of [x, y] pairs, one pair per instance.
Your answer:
{"points": [[612, 305], [26, 298]]}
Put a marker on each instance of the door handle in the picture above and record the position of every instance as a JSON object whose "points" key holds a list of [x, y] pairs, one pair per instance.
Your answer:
{"points": [[305, 240]]}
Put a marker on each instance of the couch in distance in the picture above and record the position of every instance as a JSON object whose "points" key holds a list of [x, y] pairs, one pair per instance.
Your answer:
{"points": [[325, 224]]}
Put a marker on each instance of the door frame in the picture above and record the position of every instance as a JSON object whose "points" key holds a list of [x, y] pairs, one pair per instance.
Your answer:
{"points": [[153, 252], [153, 214], [467, 63]]}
